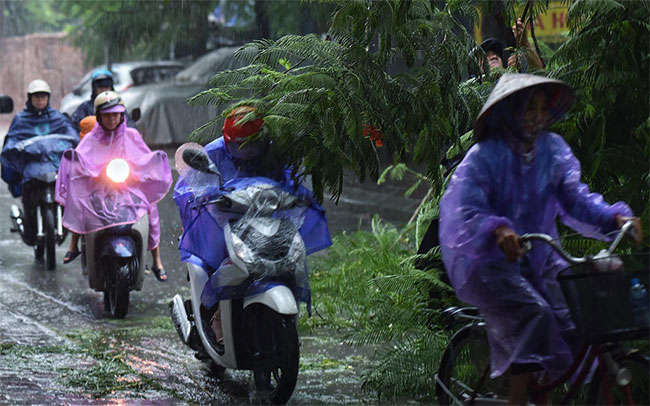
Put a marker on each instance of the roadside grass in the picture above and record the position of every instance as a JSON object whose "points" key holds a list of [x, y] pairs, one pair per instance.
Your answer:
{"points": [[367, 287]]}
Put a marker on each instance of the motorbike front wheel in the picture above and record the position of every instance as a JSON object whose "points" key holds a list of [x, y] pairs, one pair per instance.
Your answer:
{"points": [[116, 294], [50, 237], [274, 345]]}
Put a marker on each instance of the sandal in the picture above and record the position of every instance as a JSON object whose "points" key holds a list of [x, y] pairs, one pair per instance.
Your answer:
{"points": [[159, 273], [70, 256]]}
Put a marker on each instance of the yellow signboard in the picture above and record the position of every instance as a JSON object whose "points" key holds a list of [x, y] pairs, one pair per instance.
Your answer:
{"points": [[550, 27]]}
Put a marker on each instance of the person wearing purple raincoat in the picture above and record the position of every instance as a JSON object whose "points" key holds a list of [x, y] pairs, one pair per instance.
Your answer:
{"points": [[518, 178], [237, 158], [91, 205]]}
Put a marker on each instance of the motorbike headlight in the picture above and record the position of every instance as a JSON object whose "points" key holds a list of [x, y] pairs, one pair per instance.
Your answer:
{"points": [[117, 170], [242, 250]]}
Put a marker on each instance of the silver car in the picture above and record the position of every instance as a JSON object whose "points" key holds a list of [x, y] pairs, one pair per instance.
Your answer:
{"points": [[126, 75], [165, 116]]}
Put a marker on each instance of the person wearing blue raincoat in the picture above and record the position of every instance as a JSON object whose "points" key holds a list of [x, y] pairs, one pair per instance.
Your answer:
{"points": [[23, 159], [202, 241], [518, 178], [101, 80], [37, 118]]}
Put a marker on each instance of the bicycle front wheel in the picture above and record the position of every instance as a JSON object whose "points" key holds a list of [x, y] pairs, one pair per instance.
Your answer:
{"points": [[464, 372], [634, 393]]}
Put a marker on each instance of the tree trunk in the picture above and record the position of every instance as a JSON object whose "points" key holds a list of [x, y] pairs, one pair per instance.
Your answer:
{"points": [[262, 19]]}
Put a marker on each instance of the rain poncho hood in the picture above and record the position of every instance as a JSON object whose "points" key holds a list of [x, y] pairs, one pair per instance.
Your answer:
{"points": [[92, 201], [23, 160], [496, 185], [202, 242]]}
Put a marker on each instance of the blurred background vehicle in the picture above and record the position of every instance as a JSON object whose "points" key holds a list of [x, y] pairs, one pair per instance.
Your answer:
{"points": [[6, 104], [125, 76], [166, 118]]}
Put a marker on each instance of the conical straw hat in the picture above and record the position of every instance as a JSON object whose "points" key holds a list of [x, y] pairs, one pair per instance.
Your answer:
{"points": [[561, 96]]}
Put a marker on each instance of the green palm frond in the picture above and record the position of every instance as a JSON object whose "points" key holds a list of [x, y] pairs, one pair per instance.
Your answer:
{"points": [[333, 88]]}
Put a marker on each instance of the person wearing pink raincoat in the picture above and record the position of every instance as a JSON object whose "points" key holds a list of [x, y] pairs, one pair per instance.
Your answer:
{"points": [[92, 205]]}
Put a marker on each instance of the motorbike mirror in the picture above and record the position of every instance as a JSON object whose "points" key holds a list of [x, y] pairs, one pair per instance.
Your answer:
{"points": [[192, 155], [136, 114], [6, 104]]}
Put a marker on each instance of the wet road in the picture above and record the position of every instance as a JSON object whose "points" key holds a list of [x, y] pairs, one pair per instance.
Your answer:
{"points": [[58, 347]]}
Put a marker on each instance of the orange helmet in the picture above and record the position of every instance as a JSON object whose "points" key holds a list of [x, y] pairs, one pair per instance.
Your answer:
{"points": [[233, 132]]}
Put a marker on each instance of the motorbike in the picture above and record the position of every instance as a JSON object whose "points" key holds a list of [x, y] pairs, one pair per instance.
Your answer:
{"points": [[39, 222], [113, 256], [257, 285]]}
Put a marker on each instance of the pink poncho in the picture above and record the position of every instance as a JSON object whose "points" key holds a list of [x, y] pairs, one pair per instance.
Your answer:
{"points": [[93, 202]]}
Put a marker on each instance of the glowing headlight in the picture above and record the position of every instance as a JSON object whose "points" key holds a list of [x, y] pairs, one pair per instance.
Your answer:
{"points": [[117, 170]]}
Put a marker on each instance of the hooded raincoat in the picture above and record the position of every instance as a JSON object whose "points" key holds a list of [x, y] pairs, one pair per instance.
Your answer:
{"points": [[92, 202], [497, 184], [27, 124], [202, 242]]}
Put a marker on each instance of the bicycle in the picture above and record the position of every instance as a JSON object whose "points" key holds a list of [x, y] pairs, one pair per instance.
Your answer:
{"points": [[622, 374]]}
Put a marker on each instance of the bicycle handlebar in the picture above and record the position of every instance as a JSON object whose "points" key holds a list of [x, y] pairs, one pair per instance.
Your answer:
{"points": [[628, 228]]}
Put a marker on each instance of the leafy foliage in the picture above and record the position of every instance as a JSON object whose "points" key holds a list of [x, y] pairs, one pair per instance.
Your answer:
{"points": [[368, 285], [606, 59], [153, 29], [128, 29], [394, 65], [30, 16]]}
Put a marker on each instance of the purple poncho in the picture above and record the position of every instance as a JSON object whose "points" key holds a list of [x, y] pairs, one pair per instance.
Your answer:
{"points": [[494, 186], [92, 202], [497, 184]]}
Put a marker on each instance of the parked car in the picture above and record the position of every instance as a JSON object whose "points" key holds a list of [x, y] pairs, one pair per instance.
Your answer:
{"points": [[125, 76], [165, 116]]}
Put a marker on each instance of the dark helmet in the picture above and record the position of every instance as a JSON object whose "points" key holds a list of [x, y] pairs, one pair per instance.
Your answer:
{"points": [[233, 131], [101, 78], [494, 45]]}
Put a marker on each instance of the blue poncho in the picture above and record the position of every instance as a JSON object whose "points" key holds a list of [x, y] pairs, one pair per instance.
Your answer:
{"points": [[202, 241], [16, 165]]}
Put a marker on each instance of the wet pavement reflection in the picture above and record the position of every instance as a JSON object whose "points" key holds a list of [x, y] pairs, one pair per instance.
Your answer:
{"points": [[58, 347]]}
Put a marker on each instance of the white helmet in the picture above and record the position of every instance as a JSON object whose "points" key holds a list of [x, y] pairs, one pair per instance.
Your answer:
{"points": [[38, 86]]}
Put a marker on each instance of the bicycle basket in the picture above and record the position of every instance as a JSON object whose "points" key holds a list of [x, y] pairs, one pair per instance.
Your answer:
{"points": [[599, 301]]}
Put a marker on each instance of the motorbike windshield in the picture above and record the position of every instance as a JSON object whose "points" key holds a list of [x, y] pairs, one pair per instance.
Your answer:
{"points": [[36, 156]]}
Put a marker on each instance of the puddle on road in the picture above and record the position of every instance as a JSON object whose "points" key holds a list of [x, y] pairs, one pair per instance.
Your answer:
{"points": [[148, 365]]}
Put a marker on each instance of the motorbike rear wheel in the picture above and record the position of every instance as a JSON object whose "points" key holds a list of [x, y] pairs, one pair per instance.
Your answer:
{"points": [[116, 294], [274, 345], [50, 238]]}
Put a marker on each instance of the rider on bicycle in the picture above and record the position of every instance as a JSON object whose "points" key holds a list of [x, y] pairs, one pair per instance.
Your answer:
{"points": [[518, 179]]}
